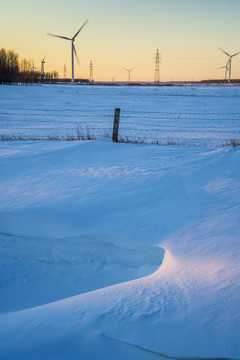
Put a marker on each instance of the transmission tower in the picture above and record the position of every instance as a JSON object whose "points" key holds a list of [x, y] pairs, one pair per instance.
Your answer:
{"points": [[64, 71], [91, 72], [157, 59]]}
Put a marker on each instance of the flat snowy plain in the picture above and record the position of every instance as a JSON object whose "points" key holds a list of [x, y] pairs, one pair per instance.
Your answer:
{"points": [[121, 251], [196, 115]]}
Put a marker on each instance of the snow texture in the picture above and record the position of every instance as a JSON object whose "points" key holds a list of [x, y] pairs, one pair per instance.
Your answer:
{"points": [[183, 114], [118, 250]]}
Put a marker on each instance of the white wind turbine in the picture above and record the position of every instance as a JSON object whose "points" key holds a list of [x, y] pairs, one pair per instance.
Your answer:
{"points": [[229, 63], [33, 67], [226, 70], [73, 50], [42, 66], [129, 72]]}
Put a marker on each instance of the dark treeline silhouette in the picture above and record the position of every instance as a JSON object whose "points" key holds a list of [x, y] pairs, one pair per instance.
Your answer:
{"points": [[9, 66], [13, 70]]}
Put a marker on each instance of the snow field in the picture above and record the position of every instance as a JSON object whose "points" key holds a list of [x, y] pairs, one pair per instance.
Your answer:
{"points": [[105, 245], [195, 115]]}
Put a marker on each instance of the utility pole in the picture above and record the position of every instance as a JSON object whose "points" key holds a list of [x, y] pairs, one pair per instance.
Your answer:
{"points": [[91, 72], [157, 59]]}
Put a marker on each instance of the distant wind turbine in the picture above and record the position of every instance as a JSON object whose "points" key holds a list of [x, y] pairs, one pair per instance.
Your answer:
{"points": [[129, 72], [73, 50], [33, 67], [229, 63], [226, 70], [42, 66]]}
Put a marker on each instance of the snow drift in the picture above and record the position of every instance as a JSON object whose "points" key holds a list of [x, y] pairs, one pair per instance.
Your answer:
{"points": [[85, 274]]}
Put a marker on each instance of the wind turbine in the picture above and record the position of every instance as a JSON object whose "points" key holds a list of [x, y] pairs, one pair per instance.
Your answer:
{"points": [[226, 70], [73, 50], [42, 67], [129, 72], [229, 63], [33, 67]]}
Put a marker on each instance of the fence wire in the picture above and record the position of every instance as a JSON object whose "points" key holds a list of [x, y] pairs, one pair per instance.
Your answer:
{"points": [[195, 128]]}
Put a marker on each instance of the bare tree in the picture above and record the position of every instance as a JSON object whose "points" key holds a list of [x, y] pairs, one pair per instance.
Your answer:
{"points": [[9, 66]]}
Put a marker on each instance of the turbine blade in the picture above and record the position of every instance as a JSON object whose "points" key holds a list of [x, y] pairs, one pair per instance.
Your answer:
{"points": [[85, 23], [132, 69], [126, 69], [236, 54], [76, 55], [58, 36], [224, 51]]}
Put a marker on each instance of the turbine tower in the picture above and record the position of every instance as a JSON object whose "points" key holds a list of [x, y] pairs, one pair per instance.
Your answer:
{"points": [[73, 50], [129, 72], [42, 67], [229, 63]]}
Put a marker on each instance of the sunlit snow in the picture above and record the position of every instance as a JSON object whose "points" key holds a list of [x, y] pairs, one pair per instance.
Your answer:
{"points": [[118, 251]]}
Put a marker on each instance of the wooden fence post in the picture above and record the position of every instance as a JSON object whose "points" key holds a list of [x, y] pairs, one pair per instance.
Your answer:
{"points": [[116, 125]]}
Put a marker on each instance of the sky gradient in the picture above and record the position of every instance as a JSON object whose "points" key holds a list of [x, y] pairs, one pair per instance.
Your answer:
{"points": [[126, 33]]}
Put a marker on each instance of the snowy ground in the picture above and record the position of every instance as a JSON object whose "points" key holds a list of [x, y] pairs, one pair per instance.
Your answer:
{"points": [[118, 251], [184, 114]]}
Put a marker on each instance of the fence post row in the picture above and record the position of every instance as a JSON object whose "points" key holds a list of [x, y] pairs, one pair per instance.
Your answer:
{"points": [[116, 125]]}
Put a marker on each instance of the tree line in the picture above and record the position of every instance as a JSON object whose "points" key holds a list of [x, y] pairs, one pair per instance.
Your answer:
{"points": [[14, 70]]}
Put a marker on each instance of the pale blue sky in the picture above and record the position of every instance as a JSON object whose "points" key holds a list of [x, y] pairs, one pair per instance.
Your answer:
{"points": [[126, 34]]}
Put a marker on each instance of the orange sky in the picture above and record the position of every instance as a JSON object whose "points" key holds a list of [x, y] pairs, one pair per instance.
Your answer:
{"points": [[127, 34]]}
